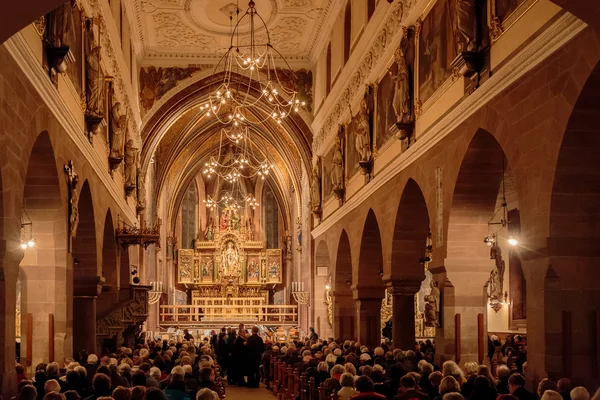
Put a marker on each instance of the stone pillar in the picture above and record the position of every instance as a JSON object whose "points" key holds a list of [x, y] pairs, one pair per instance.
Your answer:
{"points": [[403, 312], [368, 314], [344, 316], [466, 295], [8, 297], [85, 295]]}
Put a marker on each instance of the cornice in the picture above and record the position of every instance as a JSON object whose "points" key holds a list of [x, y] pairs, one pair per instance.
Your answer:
{"points": [[115, 64], [557, 35], [350, 84], [29, 65], [326, 25]]}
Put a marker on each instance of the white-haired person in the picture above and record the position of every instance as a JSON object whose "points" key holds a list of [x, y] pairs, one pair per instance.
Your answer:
{"points": [[91, 366], [580, 393], [347, 391], [51, 385], [206, 394], [551, 395], [450, 368]]}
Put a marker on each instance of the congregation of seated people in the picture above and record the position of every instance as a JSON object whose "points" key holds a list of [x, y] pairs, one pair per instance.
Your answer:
{"points": [[191, 370]]}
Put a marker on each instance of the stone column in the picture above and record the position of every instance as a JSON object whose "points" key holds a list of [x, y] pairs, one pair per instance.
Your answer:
{"points": [[368, 314], [403, 312], [8, 297], [85, 295], [344, 316]]}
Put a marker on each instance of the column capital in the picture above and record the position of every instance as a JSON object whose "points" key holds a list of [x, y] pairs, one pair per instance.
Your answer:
{"points": [[88, 286], [403, 286], [368, 292]]}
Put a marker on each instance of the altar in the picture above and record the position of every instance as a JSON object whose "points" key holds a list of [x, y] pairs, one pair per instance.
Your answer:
{"points": [[228, 276]]}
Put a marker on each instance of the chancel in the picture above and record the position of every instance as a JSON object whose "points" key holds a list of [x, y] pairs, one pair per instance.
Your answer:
{"points": [[299, 199]]}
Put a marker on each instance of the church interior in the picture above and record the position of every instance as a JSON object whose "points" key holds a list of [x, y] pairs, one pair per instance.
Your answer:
{"points": [[374, 171]]}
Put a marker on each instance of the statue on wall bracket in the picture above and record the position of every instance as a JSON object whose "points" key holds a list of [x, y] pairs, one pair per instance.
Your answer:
{"points": [[72, 181], [337, 167], [402, 101], [131, 167], [315, 189], [117, 133], [467, 26], [363, 136], [94, 82], [59, 23]]}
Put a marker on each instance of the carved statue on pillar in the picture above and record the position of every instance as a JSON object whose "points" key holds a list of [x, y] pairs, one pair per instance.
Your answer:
{"points": [[363, 133], [141, 192], [131, 161], [93, 75], [496, 293], [315, 190], [299, 234], [118, 128], [401, 101], [466, 25], [432, 306], [337, 169]]}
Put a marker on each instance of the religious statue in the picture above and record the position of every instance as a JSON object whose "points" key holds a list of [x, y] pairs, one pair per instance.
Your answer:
{"points": [[208, 232], [224, 219], [401, 101], [274, 272], [141, 192], [363, 133], [72, 181], [60, 22], [466, 20], [315, 190], [337, 166], [118, 128], [93, 78], [253, 271], [299, 233], [289, 245], [249, 228], [131, 158], [230, 261], [496, 281], [432, 306], [235, 220]]}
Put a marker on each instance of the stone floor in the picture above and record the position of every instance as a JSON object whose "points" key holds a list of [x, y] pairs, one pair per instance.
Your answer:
{"points": [[243, 393]]}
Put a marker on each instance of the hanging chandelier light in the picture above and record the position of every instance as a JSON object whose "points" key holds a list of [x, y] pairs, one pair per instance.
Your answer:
{"points": [[252, 56]]}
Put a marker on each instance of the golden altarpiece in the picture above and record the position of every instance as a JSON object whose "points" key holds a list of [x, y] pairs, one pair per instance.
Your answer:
{"points": [[228, 273]]}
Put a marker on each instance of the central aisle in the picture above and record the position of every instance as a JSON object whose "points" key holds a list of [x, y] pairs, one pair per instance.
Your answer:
{"points": [[243, 393]]}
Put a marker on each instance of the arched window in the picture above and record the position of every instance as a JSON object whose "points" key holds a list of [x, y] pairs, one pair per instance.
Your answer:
{"points": [[347, 30], [328, 69], [271, 218], [188, 217]]}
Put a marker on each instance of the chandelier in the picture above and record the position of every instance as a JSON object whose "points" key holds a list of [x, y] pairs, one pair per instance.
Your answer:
{"points": [[234, 101]]}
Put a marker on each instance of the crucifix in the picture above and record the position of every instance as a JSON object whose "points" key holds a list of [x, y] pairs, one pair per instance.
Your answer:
{"points": [[72, 181]]}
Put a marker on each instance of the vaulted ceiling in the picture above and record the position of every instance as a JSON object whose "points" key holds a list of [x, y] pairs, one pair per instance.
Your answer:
{"points": [[201, 29]]}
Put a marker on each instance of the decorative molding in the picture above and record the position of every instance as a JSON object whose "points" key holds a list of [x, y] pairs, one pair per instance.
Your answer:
{"points": [[331, 115], [115, 65], [20, 51], [558, 34]]}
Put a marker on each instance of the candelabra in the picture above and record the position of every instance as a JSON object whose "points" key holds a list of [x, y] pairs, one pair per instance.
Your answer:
{"points": [[155, 293], [299, 294]]}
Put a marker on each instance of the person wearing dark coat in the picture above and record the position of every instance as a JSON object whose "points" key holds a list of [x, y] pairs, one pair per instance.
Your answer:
{"points": [[238, 357], [207, 380], [516, 385], [255, 347], [233, 366], [483, 390], [408, 386]]}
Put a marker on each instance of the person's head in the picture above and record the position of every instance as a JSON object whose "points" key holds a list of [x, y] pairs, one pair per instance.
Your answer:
{"points": [[101, 385], [27, 392], [564, 385], [23, 383], [449, 385], [350, 368], [323, 367], [154, 394], [121, 393], [450, 368], [19, 369], [337, 370], [206, 394], [347, 380], [546, 384], [54, 396], [207, 374], [138, 378], [72, 395], [377, 376], [51, 385], [366, 370], [312, 330], [138, 392], [453, 396], [485, 371], [145, 367], [364, 384], [407, 382], [551, 395], [580, 393], [177, 378], [506, 397], [155, 373], [425, 368], [92, 359], [503, 372], [435, 378], [515, 381], [470, 367]]}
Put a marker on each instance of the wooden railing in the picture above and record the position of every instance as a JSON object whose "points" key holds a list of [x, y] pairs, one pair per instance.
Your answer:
{"points": [[289, 384], [278, 314]]}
